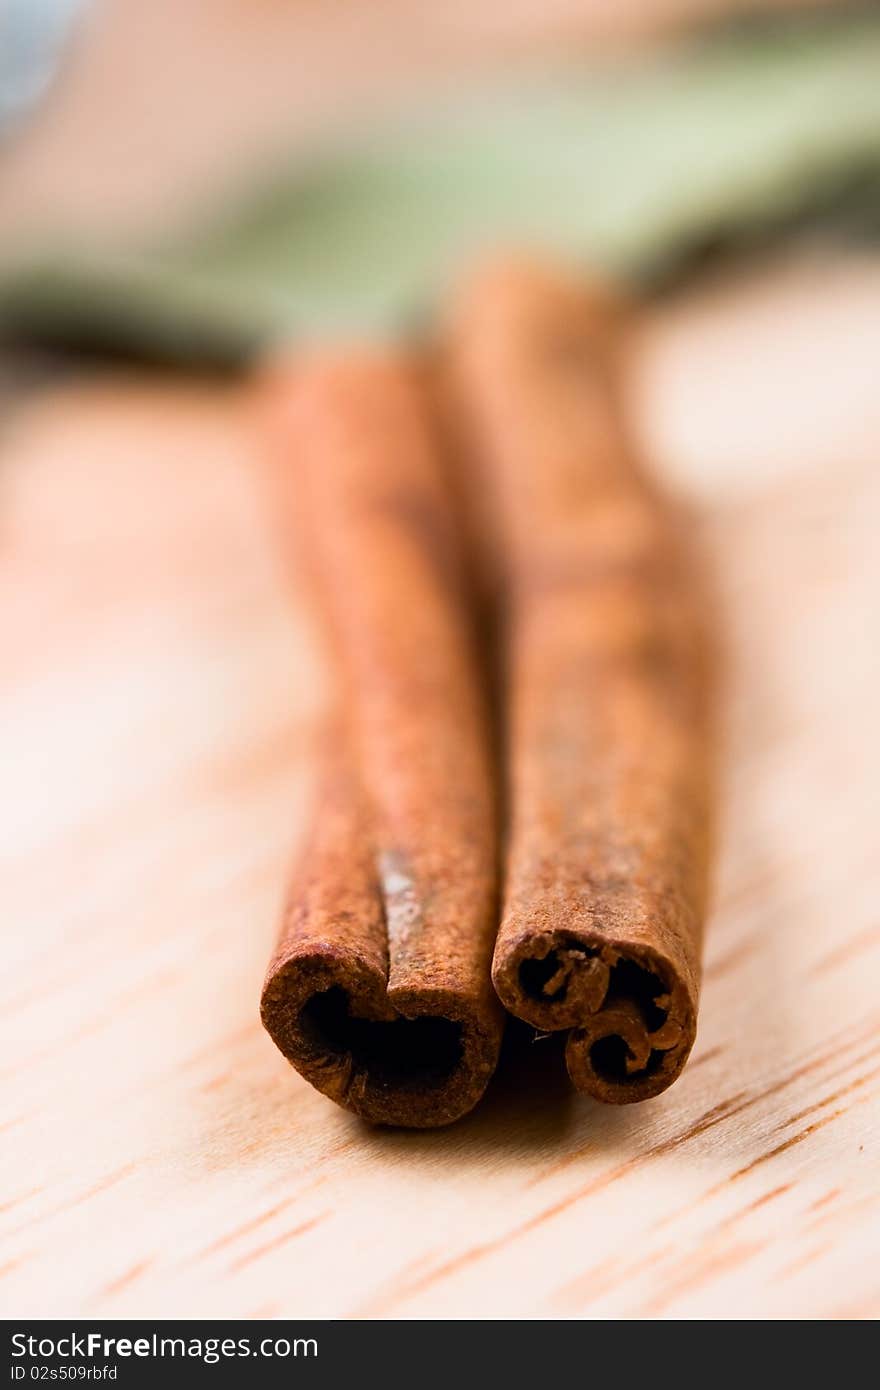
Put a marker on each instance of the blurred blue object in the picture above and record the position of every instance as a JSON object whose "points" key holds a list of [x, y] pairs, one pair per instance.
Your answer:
{"points": [[32, 38]]}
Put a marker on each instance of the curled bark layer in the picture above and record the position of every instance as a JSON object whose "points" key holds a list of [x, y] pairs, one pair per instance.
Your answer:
{"points": [[606, 686], [380, 991]]}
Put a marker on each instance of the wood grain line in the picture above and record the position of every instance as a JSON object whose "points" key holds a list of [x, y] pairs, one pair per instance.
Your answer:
{"points": [[607, 1276], [10, 1266], [14, 1123], [229, 1237], [830, 1099], [709, 1266], [784, 1147], [823, 1201], [129, 1276], [842, 955], [285, 1236], [111, 1180], [761, 1201], [94, 1025], [733, 958], [802, 1261], [21, 1198], [703, 1057]]}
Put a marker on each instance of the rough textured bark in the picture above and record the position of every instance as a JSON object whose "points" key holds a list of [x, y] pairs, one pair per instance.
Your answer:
{"points": [[605, 680], [380, 990]]}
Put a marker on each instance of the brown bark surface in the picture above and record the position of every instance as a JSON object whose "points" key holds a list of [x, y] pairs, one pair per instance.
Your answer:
{"points": [[380, 990], [604, 676]]}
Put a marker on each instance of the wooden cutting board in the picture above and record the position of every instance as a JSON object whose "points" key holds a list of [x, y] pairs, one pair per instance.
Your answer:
{"points": [[158, 695]]}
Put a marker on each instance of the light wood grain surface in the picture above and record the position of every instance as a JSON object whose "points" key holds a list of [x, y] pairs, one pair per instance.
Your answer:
{"points": [[158, 695]]}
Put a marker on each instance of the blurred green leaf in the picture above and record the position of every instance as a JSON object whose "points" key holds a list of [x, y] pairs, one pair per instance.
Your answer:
{"points": [[633, 167]]}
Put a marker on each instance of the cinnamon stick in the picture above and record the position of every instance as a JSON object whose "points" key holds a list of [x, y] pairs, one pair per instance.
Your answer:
{"points": [[606, 685], [379, 992]]}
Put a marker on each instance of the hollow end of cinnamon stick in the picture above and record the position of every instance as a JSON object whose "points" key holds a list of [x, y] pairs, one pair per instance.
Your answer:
{"points": [[631, 1010], [417, 1059]]}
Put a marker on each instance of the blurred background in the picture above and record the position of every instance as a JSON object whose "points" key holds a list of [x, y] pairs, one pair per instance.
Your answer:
{"points": [[183, 185], [189, 180]]}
